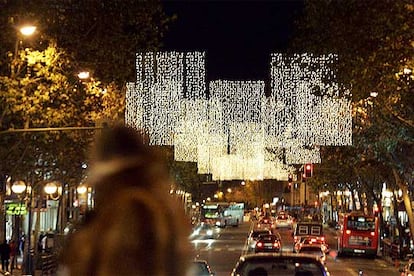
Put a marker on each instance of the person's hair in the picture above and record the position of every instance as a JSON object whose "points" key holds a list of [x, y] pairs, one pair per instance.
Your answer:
{"points": [[137, 228]]}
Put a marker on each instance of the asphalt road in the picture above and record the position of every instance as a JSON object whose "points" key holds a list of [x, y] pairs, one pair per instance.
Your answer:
{"points": [[222, 253]]}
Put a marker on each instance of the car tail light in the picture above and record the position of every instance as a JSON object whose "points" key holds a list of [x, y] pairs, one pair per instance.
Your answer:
{"points": [[322, 238], [372, 233], [259, 244], [348, 232], [276, 244]]}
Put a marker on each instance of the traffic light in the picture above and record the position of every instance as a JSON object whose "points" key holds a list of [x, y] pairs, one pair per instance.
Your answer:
{"points": [[308, 170], [290, 178]]}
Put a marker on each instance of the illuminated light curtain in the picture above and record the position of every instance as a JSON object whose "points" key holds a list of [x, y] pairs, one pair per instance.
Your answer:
{"points": [[241, 124], [238, 133], [213, 142], [134, 111], [301, 155], [192, 130], [166, 79], [303, 85]]}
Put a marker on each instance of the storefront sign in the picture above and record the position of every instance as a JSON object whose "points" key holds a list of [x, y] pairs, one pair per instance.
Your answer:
{"points": [[16, 208]]}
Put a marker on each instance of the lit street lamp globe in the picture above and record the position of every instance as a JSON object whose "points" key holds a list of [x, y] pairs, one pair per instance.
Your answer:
{"points": [[18, 187]]}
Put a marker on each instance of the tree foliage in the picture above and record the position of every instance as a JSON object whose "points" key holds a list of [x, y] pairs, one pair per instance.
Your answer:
{"points": [[42, 91], [102, 35], [374, 41], [38, 77]]}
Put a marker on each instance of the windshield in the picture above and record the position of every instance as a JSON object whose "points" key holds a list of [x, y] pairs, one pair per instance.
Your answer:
{"points": [[361, 223]]}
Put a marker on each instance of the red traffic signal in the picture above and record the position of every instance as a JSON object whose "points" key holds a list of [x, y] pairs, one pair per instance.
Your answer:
{"points": [[308, 170]]}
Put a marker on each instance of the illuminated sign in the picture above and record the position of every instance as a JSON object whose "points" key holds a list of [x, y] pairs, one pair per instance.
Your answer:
{"points": [[16, 209]]}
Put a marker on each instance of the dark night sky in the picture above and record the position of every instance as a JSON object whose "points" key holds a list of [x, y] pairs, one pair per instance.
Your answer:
{"points": [[238, 36]]}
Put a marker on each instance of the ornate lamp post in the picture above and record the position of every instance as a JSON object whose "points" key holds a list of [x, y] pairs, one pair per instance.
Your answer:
{"points": [[20, 187], [53, 190]]}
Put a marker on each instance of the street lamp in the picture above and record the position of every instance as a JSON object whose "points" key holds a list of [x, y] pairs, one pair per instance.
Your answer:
{"points": [[54, 190], [20, 187], [27, 30]]}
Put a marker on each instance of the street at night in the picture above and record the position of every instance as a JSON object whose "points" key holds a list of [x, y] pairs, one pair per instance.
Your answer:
{"points": [[207, 137], [223, 253]]}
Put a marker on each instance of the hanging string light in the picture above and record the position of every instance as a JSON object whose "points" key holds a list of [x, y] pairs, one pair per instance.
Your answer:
{"points": [[237, 132]]}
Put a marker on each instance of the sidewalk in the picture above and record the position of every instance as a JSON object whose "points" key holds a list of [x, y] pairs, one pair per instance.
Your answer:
{"points": [[18, 271]]}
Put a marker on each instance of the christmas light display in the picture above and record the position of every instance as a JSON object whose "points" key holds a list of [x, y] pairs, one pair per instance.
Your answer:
{"points": [[237, 132]]}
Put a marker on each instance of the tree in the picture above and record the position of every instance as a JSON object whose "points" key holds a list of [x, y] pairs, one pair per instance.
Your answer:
{"points": [[374, 42], [103, 36], [43, 92]]}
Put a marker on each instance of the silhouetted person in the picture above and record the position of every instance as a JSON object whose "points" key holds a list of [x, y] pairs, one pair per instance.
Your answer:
{"points": [[13, 253], [5, 255], [137, 228]]}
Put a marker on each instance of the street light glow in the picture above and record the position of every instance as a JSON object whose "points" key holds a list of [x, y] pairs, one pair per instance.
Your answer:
{"points": [[83, 75], [51, 188], [18, 187], [27, 30]]}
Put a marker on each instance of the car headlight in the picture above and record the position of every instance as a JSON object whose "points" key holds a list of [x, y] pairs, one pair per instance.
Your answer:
{"points": [[209, 232]]}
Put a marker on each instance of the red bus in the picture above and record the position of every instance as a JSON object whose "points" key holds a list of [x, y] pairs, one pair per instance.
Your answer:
{"points": [[358, 234]]}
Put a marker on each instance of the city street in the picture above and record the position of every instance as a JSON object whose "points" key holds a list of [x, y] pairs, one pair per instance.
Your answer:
{"points": [[223, 253]]}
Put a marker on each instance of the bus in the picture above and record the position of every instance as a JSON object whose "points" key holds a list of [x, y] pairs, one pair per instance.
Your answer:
{"points": [[223, 214], [358, 235]]}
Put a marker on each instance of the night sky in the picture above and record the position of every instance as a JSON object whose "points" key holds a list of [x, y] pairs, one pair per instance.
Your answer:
{"points": [[238, 36]]}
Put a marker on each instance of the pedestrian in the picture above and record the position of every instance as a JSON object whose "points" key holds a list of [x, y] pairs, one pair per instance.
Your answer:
{"points": [[13, 253], [5, 255], [136, 228]]}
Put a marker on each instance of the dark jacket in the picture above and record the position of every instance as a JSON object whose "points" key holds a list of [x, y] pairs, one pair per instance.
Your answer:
{"points": [[5, 251]]}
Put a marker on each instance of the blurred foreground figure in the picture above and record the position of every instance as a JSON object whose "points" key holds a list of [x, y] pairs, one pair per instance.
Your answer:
{"points": [[137, 228]]}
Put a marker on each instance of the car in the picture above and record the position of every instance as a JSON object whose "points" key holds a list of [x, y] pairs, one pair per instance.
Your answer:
{"points": [[313, 250], [286, 264], [205, 231], [283, 221], [254, 235], [200, 268], [268, 243], [265, 222], [311, 241], [408, 269]]}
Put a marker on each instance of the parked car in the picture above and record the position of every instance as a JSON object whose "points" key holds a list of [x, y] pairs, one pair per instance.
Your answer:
{"points": [[200, 268], [268, 243], [286, 264]]}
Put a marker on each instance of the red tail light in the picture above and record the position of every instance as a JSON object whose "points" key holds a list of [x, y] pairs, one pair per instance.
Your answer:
{"points": [[348, 232], [372, 234], [259, 244], [276, 244]]}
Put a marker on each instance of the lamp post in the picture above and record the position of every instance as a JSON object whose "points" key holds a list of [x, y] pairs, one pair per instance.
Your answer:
{"points": [[20, 187], [53, 190], [24, 31]]}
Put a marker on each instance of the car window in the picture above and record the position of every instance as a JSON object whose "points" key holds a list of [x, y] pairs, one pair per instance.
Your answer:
{"points": [[287, 267], [258, 233], [310, 249]]}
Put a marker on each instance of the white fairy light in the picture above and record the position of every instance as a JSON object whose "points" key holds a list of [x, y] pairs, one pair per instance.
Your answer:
{"points": [[305, 88], [237, 132], [166, 79]]}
